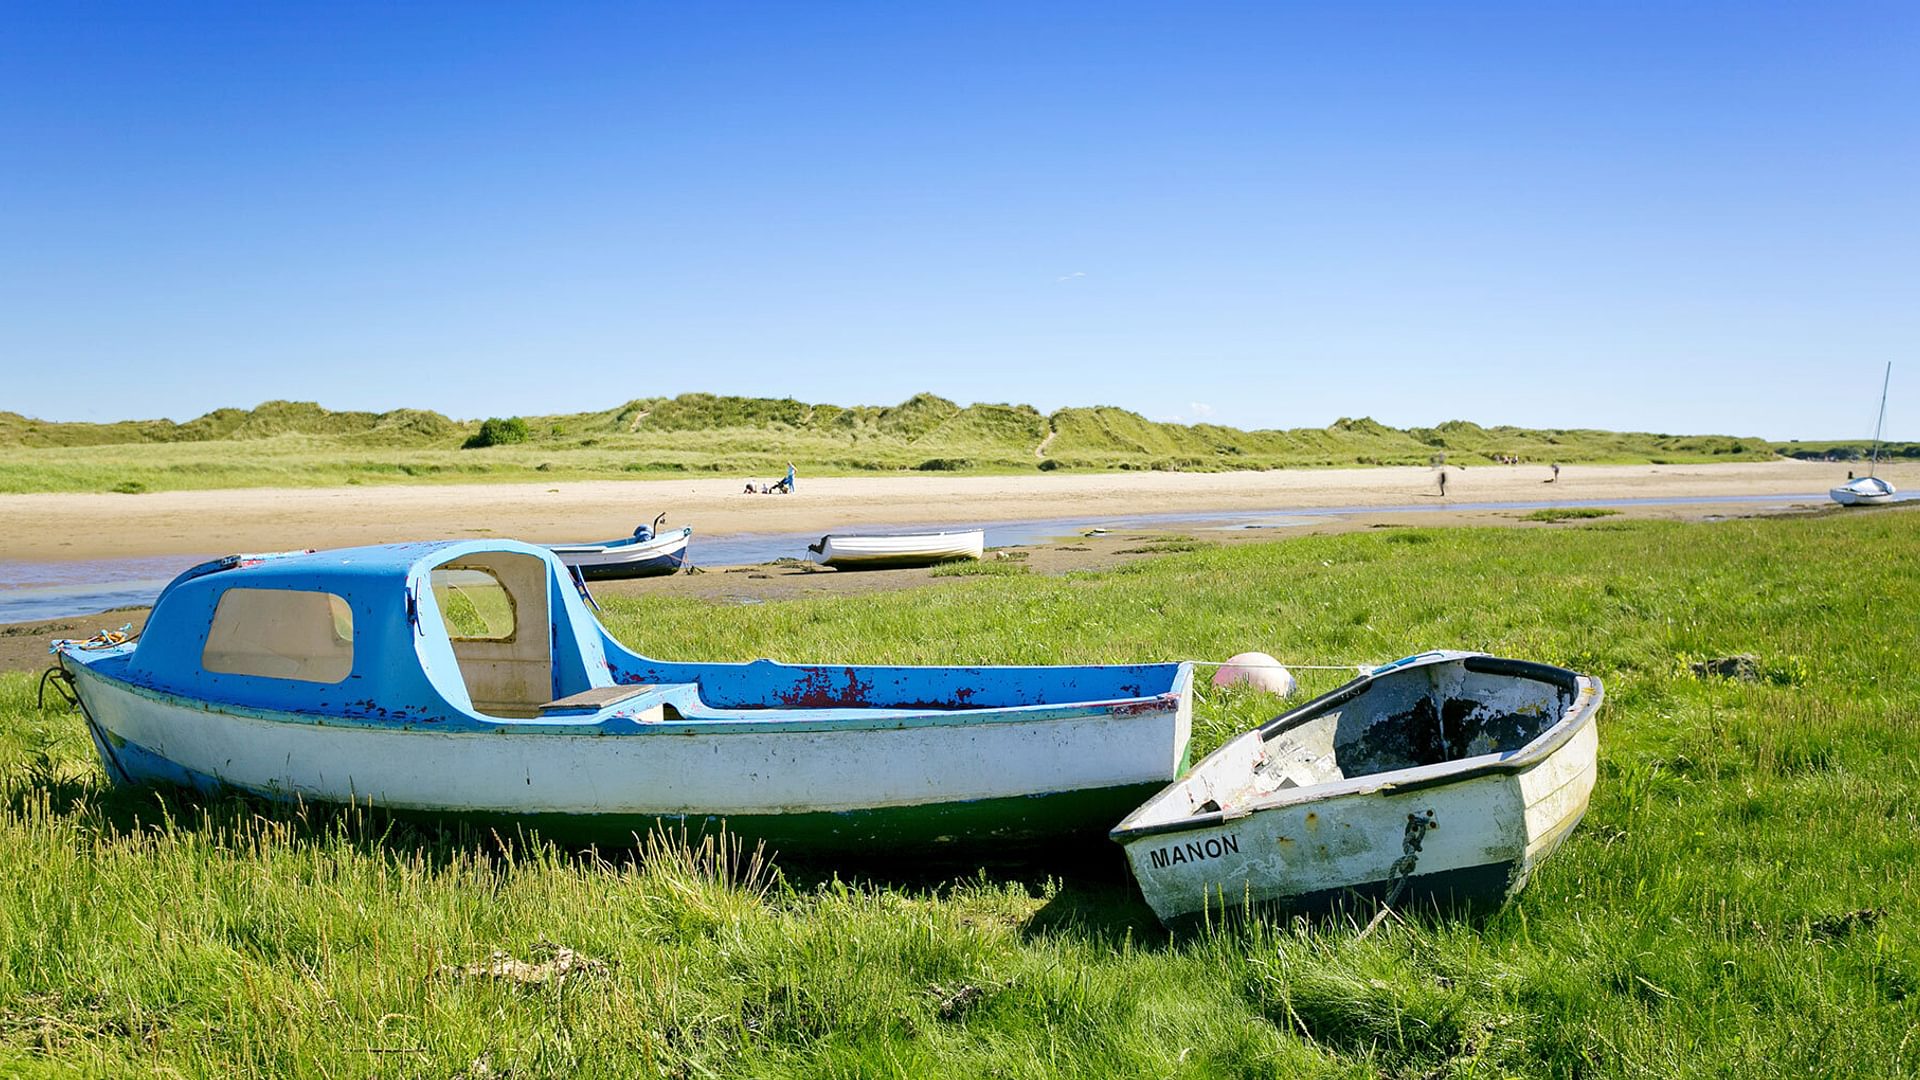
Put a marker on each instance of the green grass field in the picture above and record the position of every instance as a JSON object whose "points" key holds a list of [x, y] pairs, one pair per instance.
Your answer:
{"points": [[1740, 900], [298, 444]]}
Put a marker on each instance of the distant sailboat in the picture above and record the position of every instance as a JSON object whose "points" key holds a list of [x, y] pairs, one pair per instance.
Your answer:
{"points": [[1869, 489]]}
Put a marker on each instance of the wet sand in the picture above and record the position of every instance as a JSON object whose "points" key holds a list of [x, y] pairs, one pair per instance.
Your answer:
{"points": [[71, 526]]}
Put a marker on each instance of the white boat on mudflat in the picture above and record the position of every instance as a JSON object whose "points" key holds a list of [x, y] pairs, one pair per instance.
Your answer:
{"points": [[1866, 491], [884, 552], [647, 553], [1869, 490], [1440, 780]]}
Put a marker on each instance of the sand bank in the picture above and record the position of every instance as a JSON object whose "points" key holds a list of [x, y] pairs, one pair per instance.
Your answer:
{"points": [[92, 526]]}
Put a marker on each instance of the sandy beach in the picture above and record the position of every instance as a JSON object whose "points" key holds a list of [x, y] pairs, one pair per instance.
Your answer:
{"points": [[98, 526]]}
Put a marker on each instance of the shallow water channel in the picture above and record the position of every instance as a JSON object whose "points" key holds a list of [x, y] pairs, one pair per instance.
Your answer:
{"points": [[50, 590]]}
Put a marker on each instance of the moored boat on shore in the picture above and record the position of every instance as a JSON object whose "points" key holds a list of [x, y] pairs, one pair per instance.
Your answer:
{"points": [[1440, 780], [469, 680], [848, 552], [647, 553]]}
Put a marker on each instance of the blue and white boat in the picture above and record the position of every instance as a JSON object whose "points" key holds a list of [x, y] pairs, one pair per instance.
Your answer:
{"points": [[647, 553], [468, 679]]}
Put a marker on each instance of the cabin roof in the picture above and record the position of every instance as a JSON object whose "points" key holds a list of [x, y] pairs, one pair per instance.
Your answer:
{"points": [[402, 560]]}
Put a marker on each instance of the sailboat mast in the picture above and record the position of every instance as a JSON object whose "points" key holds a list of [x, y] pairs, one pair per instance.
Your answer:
{"points": [[1874, 467]]}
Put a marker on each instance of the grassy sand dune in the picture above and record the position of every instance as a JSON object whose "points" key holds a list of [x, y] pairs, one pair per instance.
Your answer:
{"points": [[1743, 898], [283, 443]]}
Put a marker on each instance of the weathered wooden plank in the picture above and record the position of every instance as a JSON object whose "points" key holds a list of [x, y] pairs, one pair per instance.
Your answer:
{"points": [[597, 698]]}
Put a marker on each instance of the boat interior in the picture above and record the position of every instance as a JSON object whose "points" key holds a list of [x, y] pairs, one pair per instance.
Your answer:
{"points": [[1455, 711]]}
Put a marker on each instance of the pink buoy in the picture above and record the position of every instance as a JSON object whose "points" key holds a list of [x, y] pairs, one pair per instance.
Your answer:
{"points": [[1258, 670]]}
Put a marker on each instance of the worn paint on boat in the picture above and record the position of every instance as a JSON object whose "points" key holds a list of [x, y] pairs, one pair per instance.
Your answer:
{"points": [[1440, 780], [889, 552], [468, 679]]}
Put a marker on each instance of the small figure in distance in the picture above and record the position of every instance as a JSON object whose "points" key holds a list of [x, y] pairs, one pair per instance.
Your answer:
{"points": [[1556, 473], [1443, 482]]}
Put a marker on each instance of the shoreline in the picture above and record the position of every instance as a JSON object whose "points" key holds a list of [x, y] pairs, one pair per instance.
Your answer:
{"points": [[23, 644], [72, 527]]}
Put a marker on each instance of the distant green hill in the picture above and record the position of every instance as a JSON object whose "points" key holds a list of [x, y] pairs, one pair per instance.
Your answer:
{"points": [[301, 443]]}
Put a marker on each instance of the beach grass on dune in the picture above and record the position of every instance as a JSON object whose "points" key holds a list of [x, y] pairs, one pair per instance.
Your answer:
{"points": [[300, 444], [1740, 900]]}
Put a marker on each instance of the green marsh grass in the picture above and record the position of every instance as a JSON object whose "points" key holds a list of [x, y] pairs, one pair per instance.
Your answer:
{"points": [[1740, 900], [979, 568]]}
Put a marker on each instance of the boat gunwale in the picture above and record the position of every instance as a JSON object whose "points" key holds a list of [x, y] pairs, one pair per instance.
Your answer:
{"points": [[1588, 695], [624, 547], [904, 536], [618, 722]]}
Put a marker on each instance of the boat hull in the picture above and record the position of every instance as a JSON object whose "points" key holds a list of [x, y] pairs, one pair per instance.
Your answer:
{"points": [[894, 790], [1490, 832], [652, 558], [1852, 497], [1437, 782], [893, 552]]}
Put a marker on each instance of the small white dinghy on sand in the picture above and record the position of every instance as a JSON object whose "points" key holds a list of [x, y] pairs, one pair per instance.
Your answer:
{"points": [[1440, 780], [886, 552]]}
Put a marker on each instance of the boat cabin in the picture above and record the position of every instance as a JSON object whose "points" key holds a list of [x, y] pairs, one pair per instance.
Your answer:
{"points": [[490, 628], [488, 631]]}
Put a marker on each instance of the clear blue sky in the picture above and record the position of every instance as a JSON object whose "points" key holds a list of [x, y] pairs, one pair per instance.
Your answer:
{"points": [[1655, 216]]}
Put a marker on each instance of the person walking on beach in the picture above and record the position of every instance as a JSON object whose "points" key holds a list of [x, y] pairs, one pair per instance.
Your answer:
{"points": [[1443, 482], [1556, 472]]}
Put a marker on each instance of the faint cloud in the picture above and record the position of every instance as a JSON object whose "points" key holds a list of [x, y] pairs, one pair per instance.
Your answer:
{"points": [[1197, 411], [1070, 277]]}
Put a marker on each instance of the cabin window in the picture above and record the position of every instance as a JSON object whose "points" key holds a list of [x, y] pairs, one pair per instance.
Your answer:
{"points": [[473, 604], [295, 634]]}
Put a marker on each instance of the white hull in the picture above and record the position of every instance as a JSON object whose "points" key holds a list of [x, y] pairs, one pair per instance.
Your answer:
{"points": [[1501, 825], [1323, 844], [1849, 496], [918, 550], [527, 768], [662, 554]]}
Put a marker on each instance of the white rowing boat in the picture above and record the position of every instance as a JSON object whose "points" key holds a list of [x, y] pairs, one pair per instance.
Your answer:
{"points": [[1440, 780], [881, 552]]}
